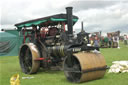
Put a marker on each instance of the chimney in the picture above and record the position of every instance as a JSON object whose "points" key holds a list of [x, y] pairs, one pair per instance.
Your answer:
{"points": [[82, 27], [69, 20]]}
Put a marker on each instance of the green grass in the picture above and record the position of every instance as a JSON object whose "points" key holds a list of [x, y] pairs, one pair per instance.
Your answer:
{"points": [[10, 65]]}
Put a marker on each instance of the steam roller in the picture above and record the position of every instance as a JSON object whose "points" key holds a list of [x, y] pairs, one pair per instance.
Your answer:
{"points": [[78, 67], [48, 44]]}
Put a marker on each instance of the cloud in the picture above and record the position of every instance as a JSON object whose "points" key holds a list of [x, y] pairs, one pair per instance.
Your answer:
{"points": [[90, 4], [111, 18], [96, 14], [21, 10], [12, 11]]}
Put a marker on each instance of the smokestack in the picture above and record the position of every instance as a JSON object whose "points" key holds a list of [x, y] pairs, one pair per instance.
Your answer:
{"points": [[69, 20], [82, 27]]}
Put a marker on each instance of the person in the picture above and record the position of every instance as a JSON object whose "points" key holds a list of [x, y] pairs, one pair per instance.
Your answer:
{"points": [[106, 41], [53, 31], [96, 43], [91, 41], [117, 40], [34, 34], [110, 41], [114, 39], [125, 39]]}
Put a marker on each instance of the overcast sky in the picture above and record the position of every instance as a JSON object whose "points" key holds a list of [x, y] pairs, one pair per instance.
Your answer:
{"points": [[105, 15]]}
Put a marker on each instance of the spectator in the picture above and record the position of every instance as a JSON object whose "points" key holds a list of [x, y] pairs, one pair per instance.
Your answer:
{"points": [[125, 39], [117, 40], [110, 41], [91, 41], [96, 43], [115, 44], [106, 41]]}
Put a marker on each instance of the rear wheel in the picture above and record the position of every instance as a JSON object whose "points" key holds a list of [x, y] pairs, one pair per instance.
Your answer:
{"points": [[28, 54]]}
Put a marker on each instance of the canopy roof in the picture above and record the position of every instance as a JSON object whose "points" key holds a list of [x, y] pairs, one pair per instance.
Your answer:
{"points": [[46, 21]]}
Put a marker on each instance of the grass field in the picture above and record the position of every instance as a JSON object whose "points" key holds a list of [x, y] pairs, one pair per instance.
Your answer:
{"points": [[10, 65]]}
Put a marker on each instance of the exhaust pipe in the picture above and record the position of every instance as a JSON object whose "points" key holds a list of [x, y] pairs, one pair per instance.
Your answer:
{"points": [[69, 20]]}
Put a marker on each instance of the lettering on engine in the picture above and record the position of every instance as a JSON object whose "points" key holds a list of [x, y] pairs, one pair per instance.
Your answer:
{"points": [[76, 49]]}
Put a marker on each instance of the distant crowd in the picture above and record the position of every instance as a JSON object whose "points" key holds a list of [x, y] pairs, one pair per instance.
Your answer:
{"points": [[109, 41]]}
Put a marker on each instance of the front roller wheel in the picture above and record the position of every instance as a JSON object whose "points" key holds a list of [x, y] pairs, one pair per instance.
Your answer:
{"points": [[28, 54], [81, 67]]}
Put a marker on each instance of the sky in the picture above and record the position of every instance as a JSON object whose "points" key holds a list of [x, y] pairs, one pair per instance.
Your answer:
{"points": [[97, 15]]}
